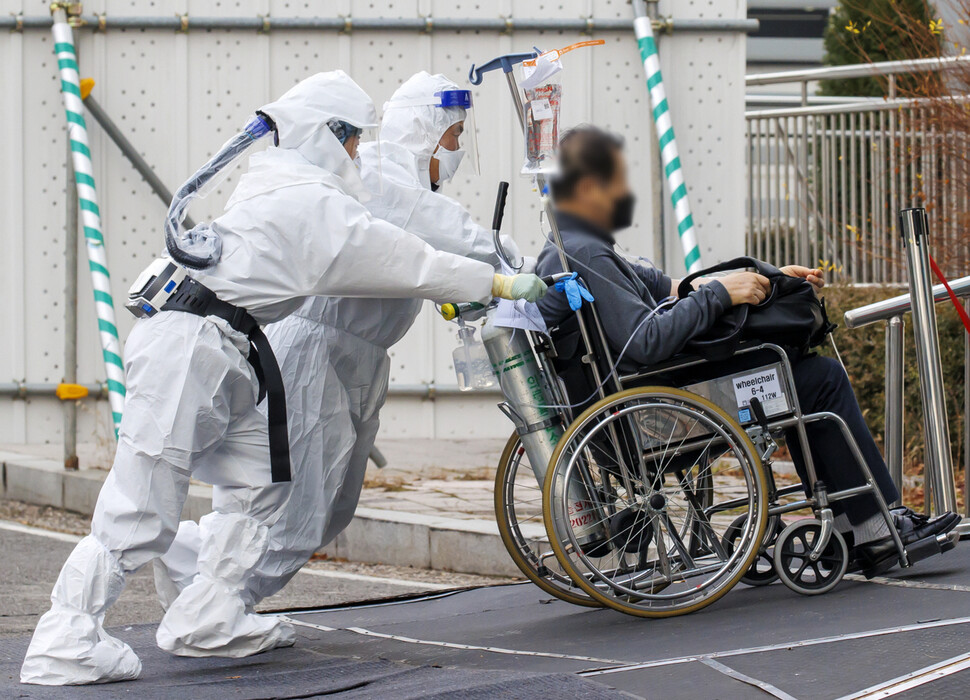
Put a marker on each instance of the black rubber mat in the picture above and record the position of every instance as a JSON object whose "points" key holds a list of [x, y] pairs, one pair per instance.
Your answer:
{"points": [[821, 671], [516, 641], [303, 671], [953, 687], [690, 680], [515, 617]]}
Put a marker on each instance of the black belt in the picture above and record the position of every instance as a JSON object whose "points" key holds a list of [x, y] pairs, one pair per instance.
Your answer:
{"points": [[195, 298]]}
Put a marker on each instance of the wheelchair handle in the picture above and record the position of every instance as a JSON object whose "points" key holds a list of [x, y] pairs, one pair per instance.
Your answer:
{"points": [[505, 62], [759, 413], [550, 280], [503, 193]]}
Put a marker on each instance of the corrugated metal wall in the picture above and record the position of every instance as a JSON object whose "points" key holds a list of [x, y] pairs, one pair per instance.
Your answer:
{"points": [[179, 96]]}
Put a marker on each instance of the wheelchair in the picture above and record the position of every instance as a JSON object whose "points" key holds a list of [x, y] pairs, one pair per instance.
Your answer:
{"points": [[659, 498]]}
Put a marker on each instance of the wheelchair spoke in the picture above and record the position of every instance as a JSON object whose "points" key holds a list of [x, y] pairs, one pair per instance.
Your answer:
{"points": [[657, 469], [677, 541]]}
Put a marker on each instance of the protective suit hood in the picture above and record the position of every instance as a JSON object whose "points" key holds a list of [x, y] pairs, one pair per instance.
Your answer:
{"points": [[301, 116], [419, 127]]}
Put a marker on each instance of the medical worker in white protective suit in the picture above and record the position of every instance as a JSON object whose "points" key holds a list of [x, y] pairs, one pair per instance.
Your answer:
{"points": [[291, 229], [332, 429]]}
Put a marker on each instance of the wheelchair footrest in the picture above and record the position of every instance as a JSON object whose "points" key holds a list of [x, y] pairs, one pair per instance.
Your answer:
{"points": [[926, 547]]}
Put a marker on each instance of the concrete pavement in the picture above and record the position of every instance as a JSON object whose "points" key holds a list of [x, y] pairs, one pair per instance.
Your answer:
{"points": [[431, 507]]}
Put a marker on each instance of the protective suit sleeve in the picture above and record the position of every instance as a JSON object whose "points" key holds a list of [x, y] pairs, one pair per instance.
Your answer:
{"points": [[363, 256], [446, 225]]}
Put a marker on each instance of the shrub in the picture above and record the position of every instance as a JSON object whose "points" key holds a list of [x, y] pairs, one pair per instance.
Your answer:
{"points": [[869, 31]]}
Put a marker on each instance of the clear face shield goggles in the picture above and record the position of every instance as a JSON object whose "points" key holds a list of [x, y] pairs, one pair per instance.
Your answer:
{"points": [[456, 146], [467, 139]]}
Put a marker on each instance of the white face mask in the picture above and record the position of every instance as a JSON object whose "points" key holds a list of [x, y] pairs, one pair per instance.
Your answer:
{"points": [[448, 162], [356, 160]]}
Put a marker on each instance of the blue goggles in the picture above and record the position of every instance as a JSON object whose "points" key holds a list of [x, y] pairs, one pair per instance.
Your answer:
{"points": [[455, 98], [343, 130]]}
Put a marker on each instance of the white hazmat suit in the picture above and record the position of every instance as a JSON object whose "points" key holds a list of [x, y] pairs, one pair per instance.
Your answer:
{"points": [[334, 425], [292, 229]]}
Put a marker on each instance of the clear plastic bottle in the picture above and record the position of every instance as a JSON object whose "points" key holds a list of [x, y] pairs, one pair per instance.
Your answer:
{"points": [[472, 366]]}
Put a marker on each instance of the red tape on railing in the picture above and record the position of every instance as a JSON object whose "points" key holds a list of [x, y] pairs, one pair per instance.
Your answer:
{"points": [[953, 297]]}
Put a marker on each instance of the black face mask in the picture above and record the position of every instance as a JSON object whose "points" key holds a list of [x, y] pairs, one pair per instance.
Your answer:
{"points": [[622, 216]]}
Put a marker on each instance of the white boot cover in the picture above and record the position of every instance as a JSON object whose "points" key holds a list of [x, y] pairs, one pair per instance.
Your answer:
{"points": [[209, 617], [176, 569], [70, 646]]}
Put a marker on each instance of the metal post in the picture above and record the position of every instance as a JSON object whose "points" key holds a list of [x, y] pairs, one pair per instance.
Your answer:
{"points": [[656, 182], [966, 420], [347, 24], [895, 328], [553, 224], [70, 313], [131, 153], [939, 467]]}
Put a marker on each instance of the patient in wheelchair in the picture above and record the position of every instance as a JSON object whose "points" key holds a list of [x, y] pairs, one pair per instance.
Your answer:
{"points": [[593, 201]]}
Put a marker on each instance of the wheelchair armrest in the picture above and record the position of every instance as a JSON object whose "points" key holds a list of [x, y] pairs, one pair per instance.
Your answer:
{"points": [[684, 360]]}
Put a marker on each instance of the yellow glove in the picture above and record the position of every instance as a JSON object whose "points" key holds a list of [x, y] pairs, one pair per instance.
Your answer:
{"points": [[523, 286]]}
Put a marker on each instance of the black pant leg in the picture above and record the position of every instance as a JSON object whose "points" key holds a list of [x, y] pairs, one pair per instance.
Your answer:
{"points": [[822, 385]]}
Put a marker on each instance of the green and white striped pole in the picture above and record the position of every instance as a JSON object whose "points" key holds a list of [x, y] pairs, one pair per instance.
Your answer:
{"points": [[665, 136], [90, 214]]}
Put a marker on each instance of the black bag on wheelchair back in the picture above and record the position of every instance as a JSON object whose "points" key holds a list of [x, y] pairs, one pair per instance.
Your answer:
{"points": [[792, 316]]}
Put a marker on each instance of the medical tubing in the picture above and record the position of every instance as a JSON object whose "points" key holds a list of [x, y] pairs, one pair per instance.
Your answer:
{"points": [[653, 312], [667, 143], [90, 213], [201, 237]]}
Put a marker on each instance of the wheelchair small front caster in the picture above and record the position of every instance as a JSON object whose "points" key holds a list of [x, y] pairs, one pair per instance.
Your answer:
{"points": [[762, 571], [794, 565]]}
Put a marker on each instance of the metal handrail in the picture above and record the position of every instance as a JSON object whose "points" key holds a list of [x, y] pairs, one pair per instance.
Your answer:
{"points": [[861, 70], [764, 98], [866, 106], [897, 306]]}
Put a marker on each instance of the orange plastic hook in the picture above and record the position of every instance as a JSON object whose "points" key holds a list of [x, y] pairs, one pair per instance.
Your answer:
{"points": [[559, 52]]}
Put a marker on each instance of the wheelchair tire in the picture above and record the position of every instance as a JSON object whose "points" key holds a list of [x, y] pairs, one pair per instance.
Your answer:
{"points": [[716, 473], [794, 567], [512, 499], [762, 572]]}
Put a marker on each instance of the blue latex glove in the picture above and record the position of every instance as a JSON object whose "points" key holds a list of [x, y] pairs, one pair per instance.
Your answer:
{"points": [[574, 291]]}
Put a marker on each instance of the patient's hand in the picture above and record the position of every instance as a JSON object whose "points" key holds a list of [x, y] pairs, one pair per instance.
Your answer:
{"points": [[814, 276], [746, 287]]}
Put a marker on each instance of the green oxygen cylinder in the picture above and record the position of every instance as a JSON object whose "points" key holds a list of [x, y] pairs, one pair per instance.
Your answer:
{"points": [[527, 400]]}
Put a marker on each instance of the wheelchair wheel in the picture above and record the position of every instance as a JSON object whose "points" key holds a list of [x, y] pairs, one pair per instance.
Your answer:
{"points": [[518, 504], [640, 493], [762, 572], [797, 570]]}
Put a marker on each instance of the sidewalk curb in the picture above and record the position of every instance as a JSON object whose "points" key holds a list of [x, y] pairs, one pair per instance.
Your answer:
{"points": [[374, 535]]}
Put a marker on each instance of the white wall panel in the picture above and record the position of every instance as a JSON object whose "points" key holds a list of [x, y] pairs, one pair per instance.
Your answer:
{"points": [[13, 238], [704, 77], [179, 96]]}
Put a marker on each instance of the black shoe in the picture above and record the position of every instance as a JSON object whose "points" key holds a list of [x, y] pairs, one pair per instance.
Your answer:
{"points": [[879, 556], [914, 526]]}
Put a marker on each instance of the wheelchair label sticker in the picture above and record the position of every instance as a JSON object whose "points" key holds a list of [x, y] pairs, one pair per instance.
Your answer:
{"points": [[763, 385]]}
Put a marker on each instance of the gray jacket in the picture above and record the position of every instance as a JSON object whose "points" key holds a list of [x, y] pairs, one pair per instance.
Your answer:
{"points": [[625, 295]]}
